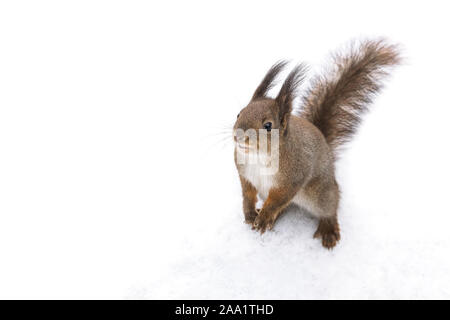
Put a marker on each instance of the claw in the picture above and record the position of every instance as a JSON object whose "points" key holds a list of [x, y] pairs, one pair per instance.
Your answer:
{"points": [[262, 224]]}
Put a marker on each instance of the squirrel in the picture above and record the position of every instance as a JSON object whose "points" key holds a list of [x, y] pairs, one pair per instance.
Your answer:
{"points": [[308, 143]]}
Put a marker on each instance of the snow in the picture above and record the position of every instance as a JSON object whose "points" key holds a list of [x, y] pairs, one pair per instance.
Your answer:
{"points": [[116, 172], [394, 240]]}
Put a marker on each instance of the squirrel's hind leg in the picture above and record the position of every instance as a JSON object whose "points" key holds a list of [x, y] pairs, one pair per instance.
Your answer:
{"points": [[328, 230], [321, 198]]}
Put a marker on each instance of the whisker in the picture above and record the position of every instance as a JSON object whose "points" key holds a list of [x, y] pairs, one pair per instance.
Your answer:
{"points": [[221, 141], [219, 137]]}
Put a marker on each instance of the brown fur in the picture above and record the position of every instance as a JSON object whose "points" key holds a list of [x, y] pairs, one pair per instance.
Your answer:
{"points": [[269, 80], [332, 110], [249, 194], [335, 102]]}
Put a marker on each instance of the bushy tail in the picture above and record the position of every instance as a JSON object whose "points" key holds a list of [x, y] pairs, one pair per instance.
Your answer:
{"points": [[335, 103]]}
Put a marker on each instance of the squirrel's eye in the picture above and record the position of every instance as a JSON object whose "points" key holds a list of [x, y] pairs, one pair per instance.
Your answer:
{"points": [[268, 126], [238, 115]]}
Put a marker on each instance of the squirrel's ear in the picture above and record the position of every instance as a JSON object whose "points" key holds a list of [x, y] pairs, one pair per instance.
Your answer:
{"points": [[287, 94], [268, 82]]}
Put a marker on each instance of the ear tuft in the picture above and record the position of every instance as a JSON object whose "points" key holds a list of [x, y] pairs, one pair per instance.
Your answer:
{"points": [[288, 92], [268, 82]]}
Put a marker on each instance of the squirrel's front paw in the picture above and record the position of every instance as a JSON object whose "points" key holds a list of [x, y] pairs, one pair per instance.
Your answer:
{"points": [[263, 222], [250, 217]]}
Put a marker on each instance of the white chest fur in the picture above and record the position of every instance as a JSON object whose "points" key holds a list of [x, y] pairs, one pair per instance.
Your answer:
{"points": [[260, 177]]}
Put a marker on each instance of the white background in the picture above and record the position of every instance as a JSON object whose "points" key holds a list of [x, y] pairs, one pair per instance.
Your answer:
{"points": [[115, 183]]}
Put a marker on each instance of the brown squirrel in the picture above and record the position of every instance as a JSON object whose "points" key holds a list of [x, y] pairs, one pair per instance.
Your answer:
{"points": [[308, 143]]}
